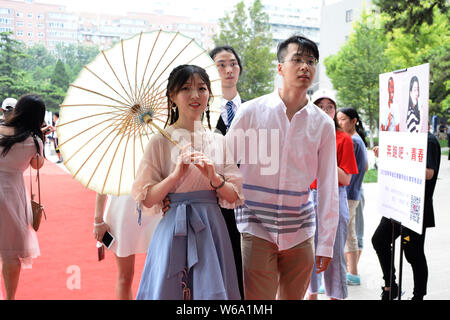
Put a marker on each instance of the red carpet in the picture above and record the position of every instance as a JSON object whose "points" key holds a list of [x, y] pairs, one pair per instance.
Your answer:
{"points": [[68, 266]]}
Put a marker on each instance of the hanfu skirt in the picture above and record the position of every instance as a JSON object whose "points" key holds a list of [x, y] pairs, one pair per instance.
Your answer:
{"points": [[190, 255]]}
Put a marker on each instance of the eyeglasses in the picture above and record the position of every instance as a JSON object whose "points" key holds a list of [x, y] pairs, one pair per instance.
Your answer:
{"points": [[297, 61]]}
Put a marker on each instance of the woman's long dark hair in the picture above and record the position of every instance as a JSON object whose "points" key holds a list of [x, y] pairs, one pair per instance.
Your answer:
{"points": [[177, 79], [27, 119], [353, 114], [411, 106]]}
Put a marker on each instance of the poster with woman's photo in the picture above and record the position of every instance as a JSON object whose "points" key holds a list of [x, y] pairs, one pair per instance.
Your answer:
{"points": [[403, 126], [404, 98]]}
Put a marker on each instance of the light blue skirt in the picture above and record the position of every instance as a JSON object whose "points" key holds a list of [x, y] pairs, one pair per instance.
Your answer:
{"points": [[190, 255], [335, 277]]}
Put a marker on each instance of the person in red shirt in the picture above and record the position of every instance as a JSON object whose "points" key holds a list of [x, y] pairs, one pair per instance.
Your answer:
{"points": [[335, 279]]}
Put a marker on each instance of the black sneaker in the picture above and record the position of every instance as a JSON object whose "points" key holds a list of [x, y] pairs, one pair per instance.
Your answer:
{"points": [[385, 293]]}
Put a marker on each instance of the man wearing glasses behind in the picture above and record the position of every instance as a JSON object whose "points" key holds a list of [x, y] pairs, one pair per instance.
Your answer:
{"points": [[277, 222], [229, 66]]}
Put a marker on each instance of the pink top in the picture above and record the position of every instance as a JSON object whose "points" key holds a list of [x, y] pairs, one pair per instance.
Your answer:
{"points": [[160, 158]]}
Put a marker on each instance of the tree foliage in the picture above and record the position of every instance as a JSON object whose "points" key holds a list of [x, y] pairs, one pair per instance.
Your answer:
{"points": [[248, 32], [371, 51], [35, 69], [59, 77], [75, 56], [354, 70], [430, 44], [12, 77], [412, 14]]}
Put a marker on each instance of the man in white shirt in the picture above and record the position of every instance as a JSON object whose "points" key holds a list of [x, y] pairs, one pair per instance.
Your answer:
{"points": [[229, 66], [295, 143]]}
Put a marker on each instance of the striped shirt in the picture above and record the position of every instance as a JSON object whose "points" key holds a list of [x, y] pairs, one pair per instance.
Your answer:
{"points": [[278, 167], [413, 119]]}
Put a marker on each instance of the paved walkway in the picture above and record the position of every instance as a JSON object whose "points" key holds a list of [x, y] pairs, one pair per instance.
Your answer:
{"points": [[437, 244], [437, 247]]}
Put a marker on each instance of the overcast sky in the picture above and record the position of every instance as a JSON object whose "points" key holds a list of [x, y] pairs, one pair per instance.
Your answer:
{"points": [[191, 8], [197, 9]]}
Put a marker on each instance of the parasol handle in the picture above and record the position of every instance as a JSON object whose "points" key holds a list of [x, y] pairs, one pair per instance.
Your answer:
{"points": [[148, 119]]}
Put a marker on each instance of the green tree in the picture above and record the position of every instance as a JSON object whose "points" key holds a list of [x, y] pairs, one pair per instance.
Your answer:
{"points": [[75, 57], [439, 59], [354, 70], [412, 14], [59, 77], [52, 95], [429, 44], [248, 32], [37, 57], [12, 77]]}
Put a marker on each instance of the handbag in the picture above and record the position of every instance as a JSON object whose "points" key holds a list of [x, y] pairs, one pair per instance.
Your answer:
{"points": [[36, 207]]}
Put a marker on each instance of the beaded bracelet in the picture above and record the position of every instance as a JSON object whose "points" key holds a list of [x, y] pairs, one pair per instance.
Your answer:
{"points": [[219, 186]]}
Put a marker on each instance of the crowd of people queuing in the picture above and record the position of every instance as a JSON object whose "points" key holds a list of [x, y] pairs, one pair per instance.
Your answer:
{"points": [[214, 225]]}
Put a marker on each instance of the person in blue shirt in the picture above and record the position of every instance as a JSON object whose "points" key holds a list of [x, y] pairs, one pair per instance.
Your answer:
{"points": [[350, 122]]}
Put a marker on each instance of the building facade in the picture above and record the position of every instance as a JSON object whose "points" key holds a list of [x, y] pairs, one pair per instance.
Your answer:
{"points": [[33, 22], [336, 24], [293, 17]]}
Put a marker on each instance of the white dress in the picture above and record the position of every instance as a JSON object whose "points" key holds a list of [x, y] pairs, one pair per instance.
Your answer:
{"points": [[122, 218]]}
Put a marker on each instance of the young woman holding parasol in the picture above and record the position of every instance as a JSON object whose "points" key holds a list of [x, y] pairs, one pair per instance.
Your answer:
{"points": [[190, 255]]}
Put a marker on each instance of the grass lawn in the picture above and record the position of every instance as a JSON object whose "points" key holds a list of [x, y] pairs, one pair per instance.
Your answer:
{"points": [[371, 176]]}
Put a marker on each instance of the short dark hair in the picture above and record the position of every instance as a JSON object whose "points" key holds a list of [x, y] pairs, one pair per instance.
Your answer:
{"points": [[230, 49], [304, 44]]}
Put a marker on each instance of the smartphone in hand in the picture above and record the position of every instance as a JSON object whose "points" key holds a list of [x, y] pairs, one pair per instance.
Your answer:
{"points": [[108, 239]]}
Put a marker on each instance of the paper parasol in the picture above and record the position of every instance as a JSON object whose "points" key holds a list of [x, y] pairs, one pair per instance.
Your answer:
{"points": [[101, 130]]}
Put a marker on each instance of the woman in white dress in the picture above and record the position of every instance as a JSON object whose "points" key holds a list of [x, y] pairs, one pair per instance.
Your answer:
{"points": [[119, 217]]}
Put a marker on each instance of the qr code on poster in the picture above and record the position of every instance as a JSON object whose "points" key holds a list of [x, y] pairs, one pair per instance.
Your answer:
{"points": [[415, 209]]}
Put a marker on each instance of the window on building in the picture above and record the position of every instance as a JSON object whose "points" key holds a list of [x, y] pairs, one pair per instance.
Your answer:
{"points": [[5, 11], [349, 15], [5, 21], [19, 33], [19, 14]]}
